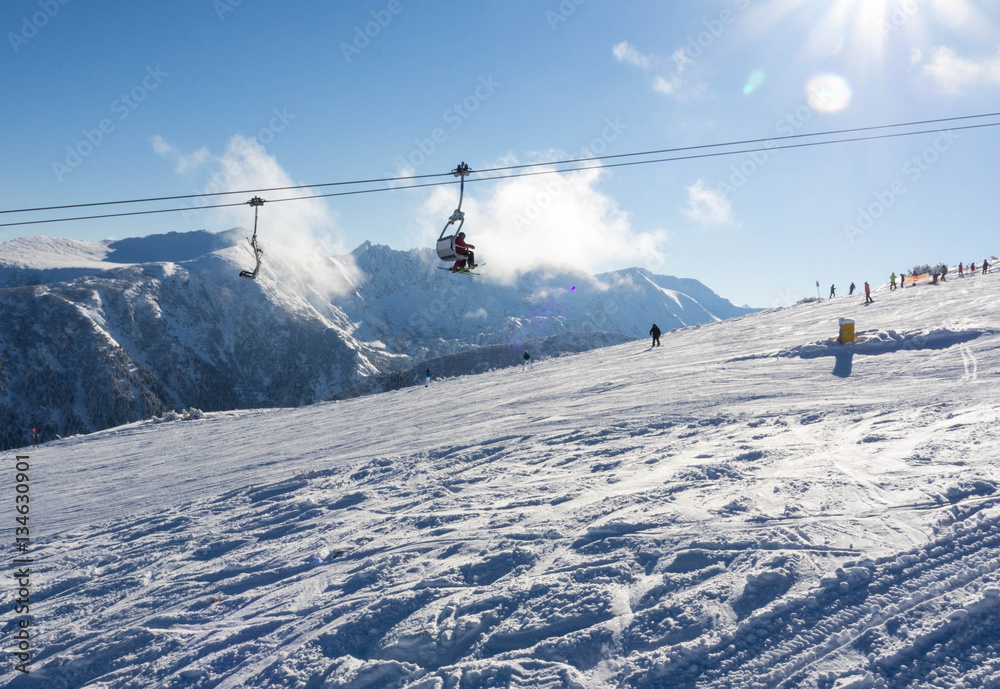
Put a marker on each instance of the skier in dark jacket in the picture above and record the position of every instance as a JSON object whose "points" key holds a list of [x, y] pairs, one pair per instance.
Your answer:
{"points": [[527, 360], [851, 290], [464, 250], [655, 332], [833, 291], [986, 267]]}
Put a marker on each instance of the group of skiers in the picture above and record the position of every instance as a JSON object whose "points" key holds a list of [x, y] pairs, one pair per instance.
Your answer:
{"points": [[868, 292], [940, 274], [936, 275]]}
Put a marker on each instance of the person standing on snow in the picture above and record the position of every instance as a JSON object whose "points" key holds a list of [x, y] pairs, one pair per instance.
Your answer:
{"points": [[427, 378], [833, 291], [851, 290], [960, 273], [868, 295], [655, 332], [527, 360], [464, 249], [944, 272], [986, 267], [892, 282]]}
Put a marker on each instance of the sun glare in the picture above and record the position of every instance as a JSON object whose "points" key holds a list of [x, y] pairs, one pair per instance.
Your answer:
{"points": [[828, 93], [863, 39]]}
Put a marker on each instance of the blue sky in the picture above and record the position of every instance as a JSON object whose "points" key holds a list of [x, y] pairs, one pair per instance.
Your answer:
{"points": [[122, 99]]}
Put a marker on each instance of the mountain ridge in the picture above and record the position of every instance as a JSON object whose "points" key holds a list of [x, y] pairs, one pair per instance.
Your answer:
{"points": [[164, 323]]}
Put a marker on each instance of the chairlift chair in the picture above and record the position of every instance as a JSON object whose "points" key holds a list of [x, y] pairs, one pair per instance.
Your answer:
{"points": [[446, 245], [256, 202]]}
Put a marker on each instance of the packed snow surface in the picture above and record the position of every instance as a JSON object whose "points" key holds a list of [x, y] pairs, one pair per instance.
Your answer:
{"points": [[749, 505]]}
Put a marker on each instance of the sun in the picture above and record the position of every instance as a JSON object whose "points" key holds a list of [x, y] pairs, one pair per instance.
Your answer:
{"points": [[853, 41], [860, 30]]}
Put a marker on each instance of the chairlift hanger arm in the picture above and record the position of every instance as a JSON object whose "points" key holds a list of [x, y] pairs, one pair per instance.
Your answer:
{"points": [[461, 171], [256, 202]]}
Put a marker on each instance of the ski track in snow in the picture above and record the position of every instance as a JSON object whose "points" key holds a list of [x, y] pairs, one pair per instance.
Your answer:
{"points": [[729, 510]]}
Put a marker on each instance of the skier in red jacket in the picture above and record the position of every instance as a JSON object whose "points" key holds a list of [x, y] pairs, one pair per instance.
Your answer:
{"points": [[462, 248]]}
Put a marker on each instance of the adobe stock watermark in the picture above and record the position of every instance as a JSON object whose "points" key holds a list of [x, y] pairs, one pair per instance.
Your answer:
{"points": [[557, 185], [31, 25], [783, 298], [232, 169], [122, 106], [224, 7], [790, 124], [703, 40], [562, 13], [901, 13], [365, 33], [454, 117], [911, 173]]}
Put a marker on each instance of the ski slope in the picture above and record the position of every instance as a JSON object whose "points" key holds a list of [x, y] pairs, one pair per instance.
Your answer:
{"points": [[749, 505]]}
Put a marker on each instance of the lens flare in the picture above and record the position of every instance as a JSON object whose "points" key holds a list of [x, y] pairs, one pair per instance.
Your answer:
{"points": [[754, 81], [828, 93]]}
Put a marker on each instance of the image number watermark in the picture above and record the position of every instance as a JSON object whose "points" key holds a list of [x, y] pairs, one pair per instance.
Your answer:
{"points": [[22, 565]]}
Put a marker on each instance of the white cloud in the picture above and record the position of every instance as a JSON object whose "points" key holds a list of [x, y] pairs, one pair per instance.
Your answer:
{"points": [[297, 235], [667, 87], [673, 84], [404, 171], [183, 163], [708, 207], [953, 73], [669, 83], [559, 220], [626, 52]]}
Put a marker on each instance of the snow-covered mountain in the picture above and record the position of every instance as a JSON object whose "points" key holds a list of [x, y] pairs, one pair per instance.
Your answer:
{"points": [[96, 334], [751, 505]]}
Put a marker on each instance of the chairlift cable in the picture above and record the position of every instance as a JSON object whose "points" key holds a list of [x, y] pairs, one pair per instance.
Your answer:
{"points": [[525, 174], [496, 169], [787, 137]]}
